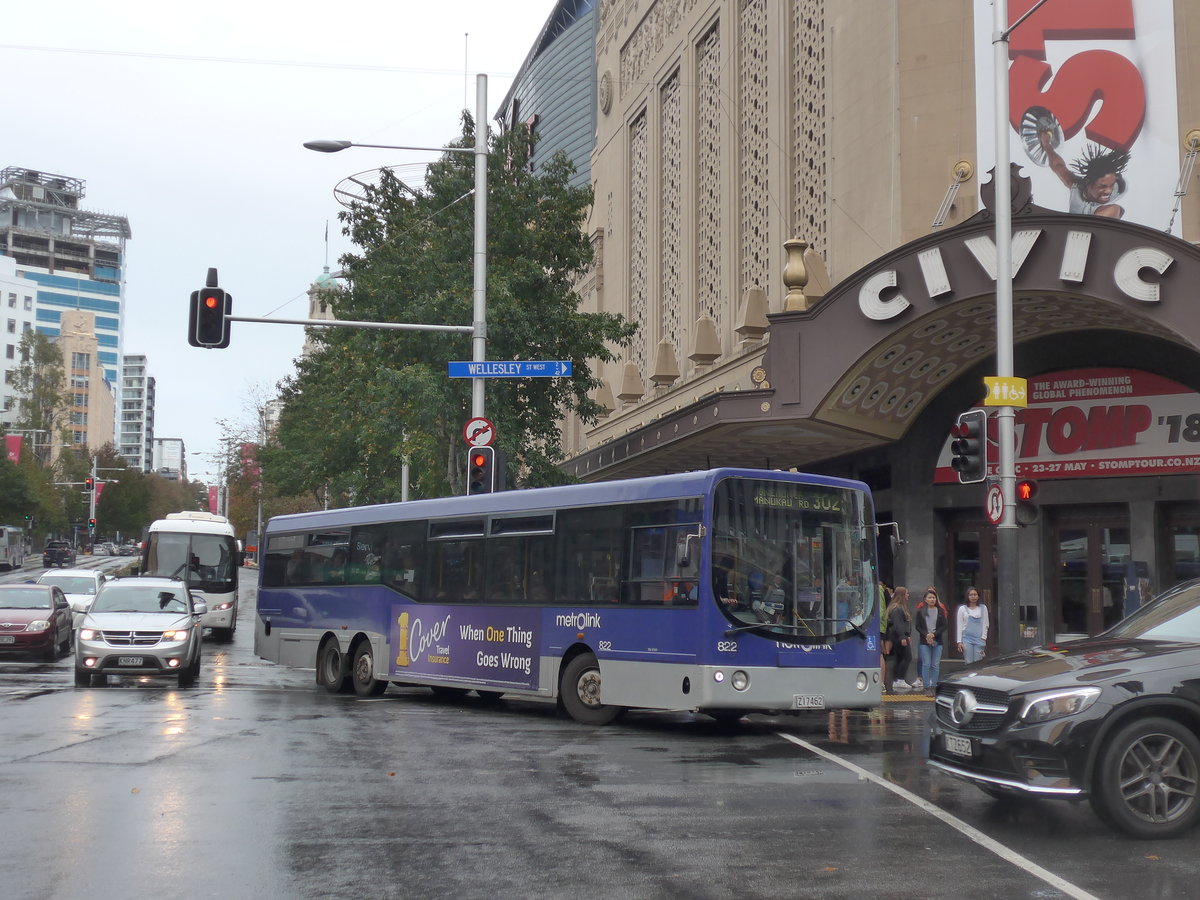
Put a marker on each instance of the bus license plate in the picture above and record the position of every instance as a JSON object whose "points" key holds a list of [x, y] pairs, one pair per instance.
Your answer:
{"points": [[129, 661], [959, 746], [808, 701], [7, 639]]}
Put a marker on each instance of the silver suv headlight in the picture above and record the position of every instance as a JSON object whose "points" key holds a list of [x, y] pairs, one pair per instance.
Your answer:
{"points": [[1055, 704], [91, 634]]}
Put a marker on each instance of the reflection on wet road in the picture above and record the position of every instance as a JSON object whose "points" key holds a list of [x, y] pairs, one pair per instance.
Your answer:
{"points": [[257, 783]]}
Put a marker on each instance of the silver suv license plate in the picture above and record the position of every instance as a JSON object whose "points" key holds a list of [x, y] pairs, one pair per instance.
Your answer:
{"points": [[129, 661], [808, 701]]}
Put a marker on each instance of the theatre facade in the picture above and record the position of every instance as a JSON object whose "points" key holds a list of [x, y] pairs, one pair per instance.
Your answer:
{"points": [[763, 211]]}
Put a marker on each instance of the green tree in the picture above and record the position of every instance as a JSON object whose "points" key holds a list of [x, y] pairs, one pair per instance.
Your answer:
{"points": [[42, 393], [17, 497], [367, 400]]}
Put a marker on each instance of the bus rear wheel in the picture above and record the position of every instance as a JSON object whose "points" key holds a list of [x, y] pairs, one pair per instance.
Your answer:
{"points": [[332, 672], [363, 673], [580, 692]]}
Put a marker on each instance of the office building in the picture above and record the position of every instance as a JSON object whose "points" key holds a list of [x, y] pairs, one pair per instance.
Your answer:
{"points": [[72, 258], [137, 414]]}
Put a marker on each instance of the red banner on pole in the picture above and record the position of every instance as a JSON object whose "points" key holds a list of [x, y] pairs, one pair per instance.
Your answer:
{"points": [[12, 447]]}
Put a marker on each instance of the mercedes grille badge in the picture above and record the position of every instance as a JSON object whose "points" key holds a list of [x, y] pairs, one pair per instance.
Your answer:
{"points": [[963, 707]]}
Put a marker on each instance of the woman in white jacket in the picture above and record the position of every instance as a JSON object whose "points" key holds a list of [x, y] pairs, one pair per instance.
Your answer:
{"points": [[972, 627]]}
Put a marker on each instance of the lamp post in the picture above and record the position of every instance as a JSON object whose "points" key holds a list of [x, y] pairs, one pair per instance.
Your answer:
{"points": [[479, 323], [1006, 531]]}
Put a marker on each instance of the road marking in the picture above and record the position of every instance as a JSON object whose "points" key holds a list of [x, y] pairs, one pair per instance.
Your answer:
{"points": [[987, 843]]}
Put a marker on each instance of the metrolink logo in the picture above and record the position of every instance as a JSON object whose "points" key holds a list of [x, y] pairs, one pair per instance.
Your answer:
{"points": [[577, 620]]}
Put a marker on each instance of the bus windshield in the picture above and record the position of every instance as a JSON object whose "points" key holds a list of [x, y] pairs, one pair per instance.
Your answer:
{"points": [[793, 559], [204, 561]]}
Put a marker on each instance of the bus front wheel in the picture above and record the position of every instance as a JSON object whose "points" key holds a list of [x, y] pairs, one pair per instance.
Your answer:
{"points": [[363, 673], [332, 672], [580, 692]]}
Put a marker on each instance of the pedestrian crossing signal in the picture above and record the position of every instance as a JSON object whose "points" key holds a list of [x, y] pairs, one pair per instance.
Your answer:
{"points": [[1028, 511]]}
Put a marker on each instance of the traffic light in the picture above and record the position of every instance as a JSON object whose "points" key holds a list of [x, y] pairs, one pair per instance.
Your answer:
{"points": [[969, 447], [92, 524], [207, 323], [89, 483], [1028, 511], [481, 470]]}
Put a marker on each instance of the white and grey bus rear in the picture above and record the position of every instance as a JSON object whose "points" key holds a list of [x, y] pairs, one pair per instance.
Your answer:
{"points": [[202, 549]]}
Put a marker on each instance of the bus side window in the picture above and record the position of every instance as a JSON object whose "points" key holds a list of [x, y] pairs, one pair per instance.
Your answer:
{"points": [[456, 571], [589, 562], [402, 553]]}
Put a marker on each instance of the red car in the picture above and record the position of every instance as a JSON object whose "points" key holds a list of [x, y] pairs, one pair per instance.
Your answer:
{"points": [[35, 618]]}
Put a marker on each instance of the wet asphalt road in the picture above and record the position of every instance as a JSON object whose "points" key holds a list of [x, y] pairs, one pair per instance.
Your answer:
{"points": [[257, 784]]}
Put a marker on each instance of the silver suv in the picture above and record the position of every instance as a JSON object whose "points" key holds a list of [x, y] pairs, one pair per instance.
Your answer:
{"points": [[140, 626]]}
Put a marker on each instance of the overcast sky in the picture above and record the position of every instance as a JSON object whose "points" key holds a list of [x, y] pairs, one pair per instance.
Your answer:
{"points": [[189, 121]]}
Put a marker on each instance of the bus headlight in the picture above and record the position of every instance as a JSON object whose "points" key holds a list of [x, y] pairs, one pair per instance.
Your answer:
{"points": [[861, 681], [740, 680], [718, 676]]}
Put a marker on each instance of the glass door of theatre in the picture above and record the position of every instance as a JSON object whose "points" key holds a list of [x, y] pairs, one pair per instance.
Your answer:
{"points": [[1092, 555], [972, 555]]}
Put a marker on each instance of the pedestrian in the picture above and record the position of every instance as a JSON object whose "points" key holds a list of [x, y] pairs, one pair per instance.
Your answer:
{"points": [[931, 620], [972, 627], [899, 640]]}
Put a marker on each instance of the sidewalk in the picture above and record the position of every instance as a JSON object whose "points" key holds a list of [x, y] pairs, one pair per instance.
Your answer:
{"points": [[917, 696], [946, 667]]}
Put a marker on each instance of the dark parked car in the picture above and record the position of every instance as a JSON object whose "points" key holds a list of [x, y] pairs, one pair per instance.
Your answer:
{"points": [[58, 553], [35, 618], [1114, 719]]}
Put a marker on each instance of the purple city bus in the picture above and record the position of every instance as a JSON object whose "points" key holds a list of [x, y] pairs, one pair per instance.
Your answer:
{"points": [[723, 592]]}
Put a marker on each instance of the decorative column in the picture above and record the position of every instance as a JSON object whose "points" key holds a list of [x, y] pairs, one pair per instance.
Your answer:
{"points": [[795, 275]]}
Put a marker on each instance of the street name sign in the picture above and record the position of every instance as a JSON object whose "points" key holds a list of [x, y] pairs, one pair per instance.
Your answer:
{"points": [[497, 368]]}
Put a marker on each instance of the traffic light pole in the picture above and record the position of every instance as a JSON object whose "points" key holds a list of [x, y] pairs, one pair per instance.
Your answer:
{"points": [[1007, 568], [92, 499]]}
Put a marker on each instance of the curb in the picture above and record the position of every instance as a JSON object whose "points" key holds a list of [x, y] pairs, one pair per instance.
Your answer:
{"points": [[906, 698]]}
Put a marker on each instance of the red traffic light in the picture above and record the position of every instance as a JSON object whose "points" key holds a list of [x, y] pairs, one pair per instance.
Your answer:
{"points": [[1027, 489], [478, 459], [208, 322]]}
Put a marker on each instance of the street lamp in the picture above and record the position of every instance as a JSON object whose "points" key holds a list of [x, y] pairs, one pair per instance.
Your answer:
{"points": [[479, 324]]}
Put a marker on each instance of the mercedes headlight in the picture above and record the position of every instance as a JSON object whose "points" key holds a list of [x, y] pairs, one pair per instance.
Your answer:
{"points": [[1055, 704]]}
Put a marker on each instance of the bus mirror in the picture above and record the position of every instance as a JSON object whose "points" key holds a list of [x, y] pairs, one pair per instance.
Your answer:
{"points": [[895, 542]]}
